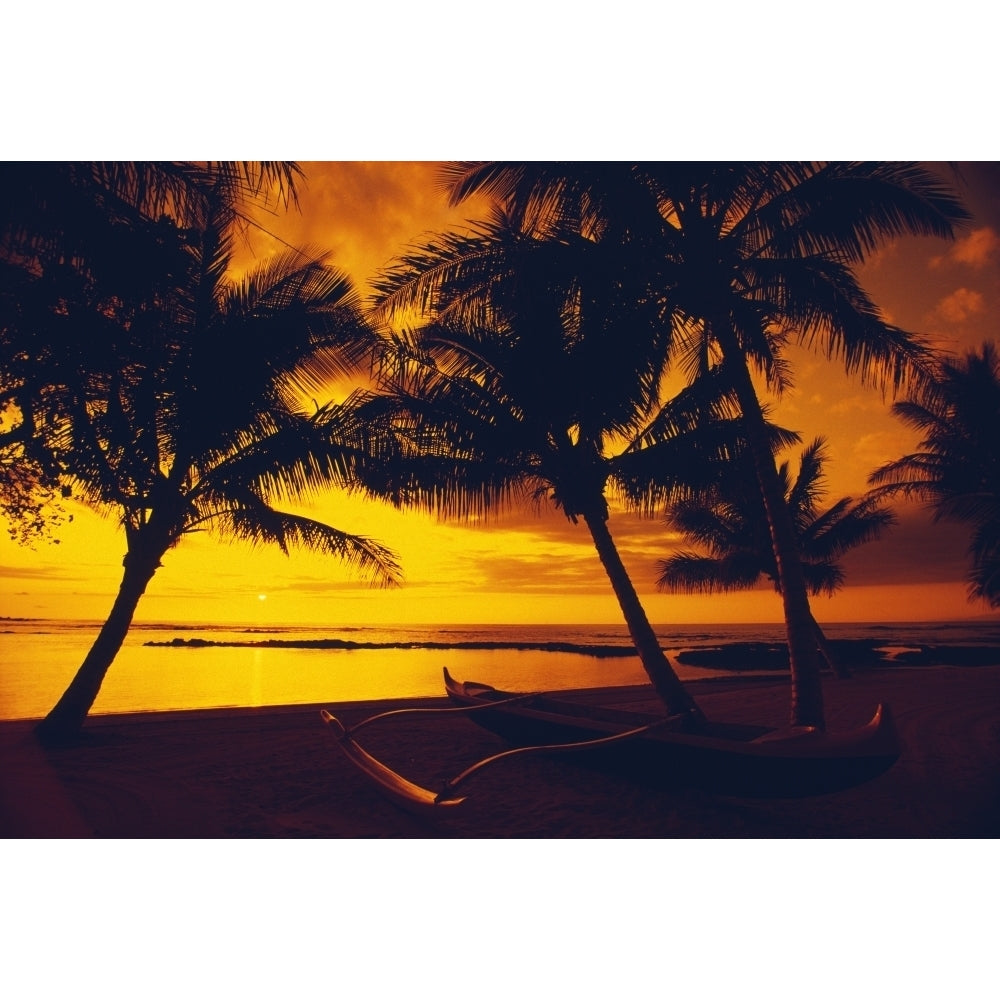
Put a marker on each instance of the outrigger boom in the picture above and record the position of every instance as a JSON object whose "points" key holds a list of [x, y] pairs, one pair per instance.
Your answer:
{"points": [[402, 791], [415, 797]]}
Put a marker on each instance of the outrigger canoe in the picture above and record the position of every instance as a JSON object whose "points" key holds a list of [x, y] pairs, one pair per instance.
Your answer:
{"points": [[723, 758], [729, 759]]}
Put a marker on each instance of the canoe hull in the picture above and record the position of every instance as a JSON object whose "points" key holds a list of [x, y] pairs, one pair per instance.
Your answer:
{"points": [[728, 760]]}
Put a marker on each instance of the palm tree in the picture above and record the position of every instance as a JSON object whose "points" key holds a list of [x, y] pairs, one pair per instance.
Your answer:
{"points": [[177, 405], [538, 360], [731, 523], [956, 470], [748, 257], [76, 241]]}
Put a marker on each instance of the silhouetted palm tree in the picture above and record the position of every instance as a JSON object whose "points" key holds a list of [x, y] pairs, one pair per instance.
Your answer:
{"points": [[731, 523], [749, 256], [956, 470], [540, 358], [180, 413], [77, 242]]}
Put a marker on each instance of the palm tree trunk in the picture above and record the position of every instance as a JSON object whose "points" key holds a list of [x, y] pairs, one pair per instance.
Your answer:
{"points": [[64, 722], [827, 653], [803, 653], [667, 684]]}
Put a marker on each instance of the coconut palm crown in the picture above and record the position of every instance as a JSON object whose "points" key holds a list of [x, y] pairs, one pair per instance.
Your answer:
{"points": [[730, 522], [956, 470], [535, 361]]}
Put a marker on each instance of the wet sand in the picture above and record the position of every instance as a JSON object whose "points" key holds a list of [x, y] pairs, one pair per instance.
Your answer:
{"points": [[277, 773]]}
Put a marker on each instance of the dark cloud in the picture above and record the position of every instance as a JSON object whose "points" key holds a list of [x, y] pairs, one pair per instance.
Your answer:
{"points": [[315, 585], [916, 550], [979, 185], [546, 553], [37, 573], [547, 572]]}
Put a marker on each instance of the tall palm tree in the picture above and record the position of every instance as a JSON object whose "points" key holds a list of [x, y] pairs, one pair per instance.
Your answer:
{"points": [[537, 359], [750, 256], [956, 470], [176, 405], [731, 523]]}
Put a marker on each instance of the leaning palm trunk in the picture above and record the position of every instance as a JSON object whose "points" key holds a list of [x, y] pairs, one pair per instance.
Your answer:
{"points": [[803, 652], [827, 653], [64, 722], [666, 683]]}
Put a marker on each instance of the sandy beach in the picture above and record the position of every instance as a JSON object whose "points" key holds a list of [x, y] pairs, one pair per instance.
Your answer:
{"points": [[277, 773]]}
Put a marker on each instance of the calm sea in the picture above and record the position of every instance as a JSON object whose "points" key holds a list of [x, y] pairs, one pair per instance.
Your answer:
{"points": [[39, 657]]}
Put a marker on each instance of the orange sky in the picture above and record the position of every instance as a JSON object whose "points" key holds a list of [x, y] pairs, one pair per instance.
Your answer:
{"points": [[531, 568]]}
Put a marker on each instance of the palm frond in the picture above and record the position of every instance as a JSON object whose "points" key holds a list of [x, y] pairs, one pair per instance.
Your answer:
{"points": [[809, 487], [298, 318], [984, 576], [693, 573], [957, 469], [853, 208], [728, 519], [822, 578], [845, 526], [289, 455], [258, 523], [184, 189]]}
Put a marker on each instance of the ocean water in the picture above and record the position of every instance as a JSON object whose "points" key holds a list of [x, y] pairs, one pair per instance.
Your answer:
{"points": [[38, 658]]}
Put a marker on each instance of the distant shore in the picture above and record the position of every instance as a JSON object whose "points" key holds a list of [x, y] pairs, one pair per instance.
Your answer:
{"points": [[583, 648], [733, 656], [276, 772]]}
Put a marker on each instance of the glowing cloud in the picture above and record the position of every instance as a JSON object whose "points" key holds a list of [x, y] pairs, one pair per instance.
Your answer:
{"points": [[959, 306], [975, 250]]}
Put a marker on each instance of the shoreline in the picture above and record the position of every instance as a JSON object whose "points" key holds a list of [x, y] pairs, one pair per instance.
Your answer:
{"points": [[620, 694], [274, 772]]}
